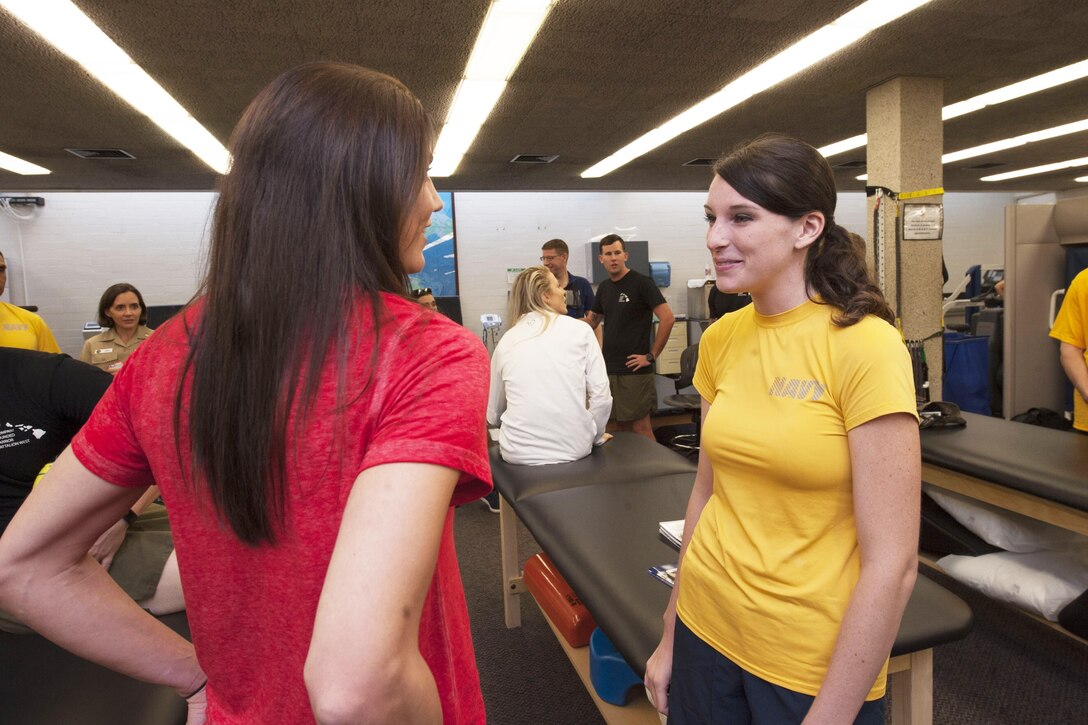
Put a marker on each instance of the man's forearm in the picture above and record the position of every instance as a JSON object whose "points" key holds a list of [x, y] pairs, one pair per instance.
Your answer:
{"points": [[664, 329]]}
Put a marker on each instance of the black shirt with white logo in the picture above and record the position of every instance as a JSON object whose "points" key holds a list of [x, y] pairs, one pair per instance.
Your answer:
{"points": [[46, 399], [628, 309]]}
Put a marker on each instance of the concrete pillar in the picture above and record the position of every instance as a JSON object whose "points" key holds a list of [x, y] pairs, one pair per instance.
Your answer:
{"points": [[906, 140]]}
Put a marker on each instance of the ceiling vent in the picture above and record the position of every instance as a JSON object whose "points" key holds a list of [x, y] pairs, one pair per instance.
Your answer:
{"points": [[984, 166], [699, 162], [534, 158], [851, 165], [101, 153]]}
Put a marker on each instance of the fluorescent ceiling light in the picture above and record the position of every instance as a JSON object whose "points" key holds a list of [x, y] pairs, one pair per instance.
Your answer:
{"points": [[863, 177], [13, 163], [64, 26], [1038, 83], [507, 32], [1071, 164], [847, 144], [1081, 179], [1008, 143], [1025, 87], [806, 52]]}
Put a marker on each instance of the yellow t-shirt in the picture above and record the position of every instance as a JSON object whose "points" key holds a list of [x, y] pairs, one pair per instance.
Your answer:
{"points": [[1072, 327], [774, 559], [23, 329]]}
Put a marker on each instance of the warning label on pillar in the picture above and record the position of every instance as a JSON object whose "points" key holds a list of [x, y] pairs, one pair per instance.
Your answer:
{"points": [[923, 221]]}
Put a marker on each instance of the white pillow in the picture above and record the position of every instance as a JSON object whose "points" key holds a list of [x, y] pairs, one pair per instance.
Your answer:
{"points": [[1042, 582], [1006, 529]]}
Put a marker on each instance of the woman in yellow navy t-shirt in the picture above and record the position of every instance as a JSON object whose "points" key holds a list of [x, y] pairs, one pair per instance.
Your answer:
{"points": [[799, 552]]}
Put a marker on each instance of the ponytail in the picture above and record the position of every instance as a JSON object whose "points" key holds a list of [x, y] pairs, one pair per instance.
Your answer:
{"points": [[835, 269], [787, 176]]}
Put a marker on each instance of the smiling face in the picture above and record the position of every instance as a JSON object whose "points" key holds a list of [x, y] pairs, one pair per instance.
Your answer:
{"points": [[758, 251], [413, 235], [125, 312]]}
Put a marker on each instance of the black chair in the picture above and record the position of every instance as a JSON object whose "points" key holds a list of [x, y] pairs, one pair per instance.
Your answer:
{"points": [[691, 402]]}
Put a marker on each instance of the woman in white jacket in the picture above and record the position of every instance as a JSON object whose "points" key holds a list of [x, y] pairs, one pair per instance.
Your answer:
{"points": [[549, 388]]}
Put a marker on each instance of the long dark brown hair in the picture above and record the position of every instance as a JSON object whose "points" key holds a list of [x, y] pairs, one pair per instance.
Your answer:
{"points": [[327, 161], [786, 176]]}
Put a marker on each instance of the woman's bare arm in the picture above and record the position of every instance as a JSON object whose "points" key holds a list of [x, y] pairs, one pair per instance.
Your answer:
{"points": [[659, 666], [48, 580], [364, 663], [885, 460]]}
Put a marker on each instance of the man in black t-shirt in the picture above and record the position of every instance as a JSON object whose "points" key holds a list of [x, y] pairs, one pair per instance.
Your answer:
{"points": [[45, 398], [627, 302]]}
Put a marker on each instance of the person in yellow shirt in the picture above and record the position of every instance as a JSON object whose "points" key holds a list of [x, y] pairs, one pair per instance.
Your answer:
{"points": [[22, 328], [800, 546], [124, 315], [1071, 329]]}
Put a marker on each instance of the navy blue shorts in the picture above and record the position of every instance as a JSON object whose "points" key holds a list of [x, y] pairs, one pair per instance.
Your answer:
{"points": [[709, 688]]}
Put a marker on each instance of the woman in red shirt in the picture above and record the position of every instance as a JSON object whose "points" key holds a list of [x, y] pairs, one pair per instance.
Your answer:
{"points": [[311, 502]]}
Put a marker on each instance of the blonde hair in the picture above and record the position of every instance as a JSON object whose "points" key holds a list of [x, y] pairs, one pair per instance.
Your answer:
{"points": [[528, 294]]}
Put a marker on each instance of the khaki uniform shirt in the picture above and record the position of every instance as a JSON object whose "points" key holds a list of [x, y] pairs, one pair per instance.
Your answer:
{"points": [[106, 351]]}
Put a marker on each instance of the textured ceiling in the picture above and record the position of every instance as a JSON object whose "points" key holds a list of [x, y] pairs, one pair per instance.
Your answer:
{"points": [[600, 74]]}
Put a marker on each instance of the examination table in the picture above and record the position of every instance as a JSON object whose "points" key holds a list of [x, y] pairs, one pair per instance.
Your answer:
{"points": [[1035, 471], [597, 518]]}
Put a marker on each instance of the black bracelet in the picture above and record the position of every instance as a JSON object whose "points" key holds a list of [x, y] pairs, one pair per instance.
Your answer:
{"points": [[130, 517], [202, 686]]}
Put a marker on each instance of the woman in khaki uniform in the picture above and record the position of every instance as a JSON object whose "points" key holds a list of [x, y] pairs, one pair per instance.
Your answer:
{"points": [[123, 313]]}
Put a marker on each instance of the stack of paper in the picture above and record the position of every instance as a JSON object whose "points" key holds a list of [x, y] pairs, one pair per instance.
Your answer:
{"points": [[673, 531]]}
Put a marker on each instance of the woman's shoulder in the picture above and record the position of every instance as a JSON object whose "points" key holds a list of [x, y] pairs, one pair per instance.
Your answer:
{"points": [[432, 328]]}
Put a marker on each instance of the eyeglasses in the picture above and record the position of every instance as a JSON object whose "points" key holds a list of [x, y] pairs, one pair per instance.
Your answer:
{"points": [[550, 259], [421, 292]]}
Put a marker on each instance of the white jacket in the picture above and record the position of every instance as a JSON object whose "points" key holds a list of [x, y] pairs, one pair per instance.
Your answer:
{"points": [[549, 391]]}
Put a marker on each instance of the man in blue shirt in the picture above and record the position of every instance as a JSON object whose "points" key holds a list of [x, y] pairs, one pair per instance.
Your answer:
{"points": [[554, 255]]}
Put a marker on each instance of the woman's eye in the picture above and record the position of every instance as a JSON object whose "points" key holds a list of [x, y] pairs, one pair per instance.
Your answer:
{"points": [[708, 218], [742, 218]]}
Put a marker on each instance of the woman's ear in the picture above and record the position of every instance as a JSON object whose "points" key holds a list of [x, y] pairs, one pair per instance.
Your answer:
{"points": [[810, 226]]}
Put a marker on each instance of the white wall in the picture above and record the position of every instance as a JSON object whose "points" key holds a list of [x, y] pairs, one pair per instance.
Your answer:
{"points": [[80, 243]]}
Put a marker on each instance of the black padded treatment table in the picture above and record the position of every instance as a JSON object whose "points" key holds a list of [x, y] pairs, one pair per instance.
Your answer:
{"points": [[597, 519], [1035, 471], [44, 684]]}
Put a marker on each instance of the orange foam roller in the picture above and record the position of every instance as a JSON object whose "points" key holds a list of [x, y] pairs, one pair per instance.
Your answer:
{"points": [[555, 597]]}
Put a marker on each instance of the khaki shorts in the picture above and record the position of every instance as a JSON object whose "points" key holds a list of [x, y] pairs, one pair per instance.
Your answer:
{"points": [[137, 566], [633, 397]]}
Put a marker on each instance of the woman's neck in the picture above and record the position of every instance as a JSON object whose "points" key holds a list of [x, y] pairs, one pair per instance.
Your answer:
{"points": [[125, 336]]}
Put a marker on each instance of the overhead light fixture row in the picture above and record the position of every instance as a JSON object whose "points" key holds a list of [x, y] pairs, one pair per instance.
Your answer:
{"points": [[1044, 169], [808, 51], [507, 32], [1050, 79], [64, 26], [19, 166]]}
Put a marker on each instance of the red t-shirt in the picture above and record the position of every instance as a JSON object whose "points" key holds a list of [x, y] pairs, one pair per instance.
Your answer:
{"points": [[251, 609]]}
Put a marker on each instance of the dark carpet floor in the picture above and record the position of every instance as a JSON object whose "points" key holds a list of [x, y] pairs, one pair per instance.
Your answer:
{"points": [[1009, 670]]}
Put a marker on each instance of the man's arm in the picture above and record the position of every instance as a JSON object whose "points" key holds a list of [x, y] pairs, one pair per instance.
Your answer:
{"points": [[594, 319], [665, 320], [1076, 369]]}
